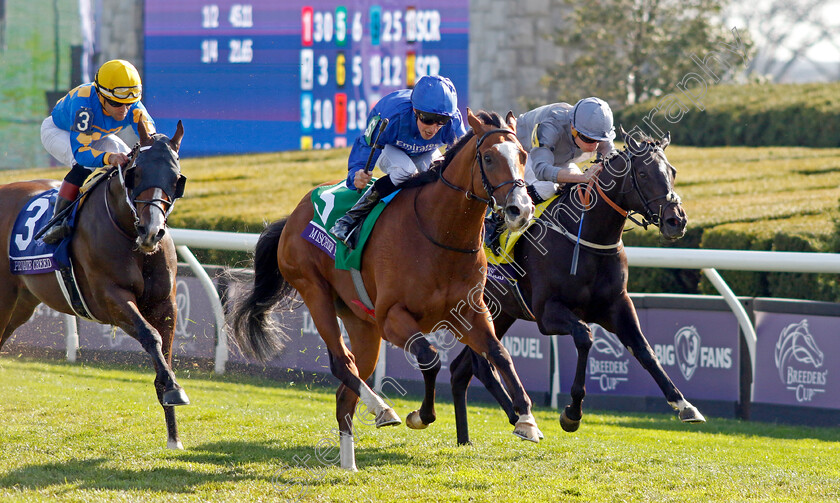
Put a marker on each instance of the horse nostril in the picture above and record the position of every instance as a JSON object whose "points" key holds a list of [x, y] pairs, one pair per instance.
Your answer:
{"points": [[512, 211], [161, 233]]}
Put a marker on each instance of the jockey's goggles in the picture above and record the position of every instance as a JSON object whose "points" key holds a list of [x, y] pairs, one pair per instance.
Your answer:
{"points": [[431, 119], [585, 139], [122, 93]]}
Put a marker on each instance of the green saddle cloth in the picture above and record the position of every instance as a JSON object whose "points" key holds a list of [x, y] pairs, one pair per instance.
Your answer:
{"points": [[331, 202]]}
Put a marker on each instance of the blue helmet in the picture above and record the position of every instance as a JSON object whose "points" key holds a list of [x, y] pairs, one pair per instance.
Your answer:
{"points": [[435, 94], [593, 118]]}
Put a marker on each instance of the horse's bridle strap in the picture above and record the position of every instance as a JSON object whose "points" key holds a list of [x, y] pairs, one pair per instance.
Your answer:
{"points": [[558, 228]]}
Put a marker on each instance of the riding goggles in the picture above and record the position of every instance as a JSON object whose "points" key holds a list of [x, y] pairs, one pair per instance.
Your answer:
{"points": [[585, 139], [121, 93], [431, 119]]}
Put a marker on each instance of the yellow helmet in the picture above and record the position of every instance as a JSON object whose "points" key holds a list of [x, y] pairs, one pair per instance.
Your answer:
{"points": [[118, 81]]}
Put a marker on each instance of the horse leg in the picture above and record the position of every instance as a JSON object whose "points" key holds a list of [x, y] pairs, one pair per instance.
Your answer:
{"points": [[558, 319], [397, 322], [626, 327], [128, 317], [15, 310], [165, 315], [483, 341], [461, 372], [343, 367], [365, 343]]}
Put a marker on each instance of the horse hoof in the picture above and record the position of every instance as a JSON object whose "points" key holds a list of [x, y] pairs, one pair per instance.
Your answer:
{"points": [[526, 429], [568, 425], [174, 445], [413, 421], [387, 417], [690, 414], [175, 397]]}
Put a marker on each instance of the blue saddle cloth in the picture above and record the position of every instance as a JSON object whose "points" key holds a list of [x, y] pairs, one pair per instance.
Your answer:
{"points": [[28, 255]]}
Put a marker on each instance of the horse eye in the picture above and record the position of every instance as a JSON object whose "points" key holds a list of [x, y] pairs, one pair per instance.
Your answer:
{"points": [[642, 174], [487, 158]]}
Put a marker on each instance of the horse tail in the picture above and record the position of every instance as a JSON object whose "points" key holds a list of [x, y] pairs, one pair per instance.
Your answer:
{"points": [[254, 329]]}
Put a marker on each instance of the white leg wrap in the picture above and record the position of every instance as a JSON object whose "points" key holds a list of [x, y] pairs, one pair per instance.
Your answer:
{"points": [[372, 400], [347, 452]]}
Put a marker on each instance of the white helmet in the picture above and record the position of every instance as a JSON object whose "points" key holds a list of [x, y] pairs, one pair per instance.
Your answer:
{"points": [[593, 118]]}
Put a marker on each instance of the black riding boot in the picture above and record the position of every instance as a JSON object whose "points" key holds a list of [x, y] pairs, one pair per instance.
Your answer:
{"points": [[494, 226], [347, 228], [60, 229]]}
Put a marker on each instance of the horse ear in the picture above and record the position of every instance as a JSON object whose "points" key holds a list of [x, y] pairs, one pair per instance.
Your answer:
{"points": [[511, 120], [632, 145], [666, 141], [175, 142], [475, 124], [621, 131], [143, 133]]}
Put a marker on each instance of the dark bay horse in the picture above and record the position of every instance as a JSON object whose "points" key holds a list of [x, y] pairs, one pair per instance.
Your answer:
{"points": [[423, 266], [123, 258], [638, 179]]}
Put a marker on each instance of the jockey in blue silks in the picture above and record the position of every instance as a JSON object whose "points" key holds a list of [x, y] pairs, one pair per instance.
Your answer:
{"points": [[81, 131], [421, 120]]}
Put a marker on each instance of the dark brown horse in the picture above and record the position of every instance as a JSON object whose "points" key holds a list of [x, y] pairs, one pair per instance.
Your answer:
{"points": [[123, 258], [638, 179], [423, 267]]}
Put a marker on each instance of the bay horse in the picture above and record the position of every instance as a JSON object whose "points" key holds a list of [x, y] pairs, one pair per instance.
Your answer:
{"points": [[638, 179], [123, 258], [423, 267]]}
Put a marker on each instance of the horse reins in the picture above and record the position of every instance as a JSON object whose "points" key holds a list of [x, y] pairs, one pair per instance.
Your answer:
{"points": [[132, 204], [649, 218], [470, 194]]}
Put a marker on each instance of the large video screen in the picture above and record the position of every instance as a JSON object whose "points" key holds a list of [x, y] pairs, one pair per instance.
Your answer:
{"points": [[268, 76]]}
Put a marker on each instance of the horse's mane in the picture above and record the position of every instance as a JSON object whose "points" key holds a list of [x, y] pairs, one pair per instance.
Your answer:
{"points": [[418, 179]]}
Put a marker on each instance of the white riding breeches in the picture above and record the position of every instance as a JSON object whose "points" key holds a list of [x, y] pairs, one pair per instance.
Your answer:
{"points": [[399, 166], [57, 143]]}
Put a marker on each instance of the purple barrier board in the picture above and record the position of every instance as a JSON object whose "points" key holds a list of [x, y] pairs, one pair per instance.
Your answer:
{"points": [[195, 329], [195, 326], [45, 329], [530, 350], [797, 360], [697, 349], [304, 349]]}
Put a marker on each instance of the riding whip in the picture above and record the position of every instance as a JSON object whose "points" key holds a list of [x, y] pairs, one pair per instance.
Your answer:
{"points": [[382, 125]]}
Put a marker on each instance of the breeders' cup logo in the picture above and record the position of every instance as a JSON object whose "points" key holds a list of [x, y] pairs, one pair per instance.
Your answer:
{"points": [[606, 342], [797, 357], [185, 340], [687, 347], [609, 372]]}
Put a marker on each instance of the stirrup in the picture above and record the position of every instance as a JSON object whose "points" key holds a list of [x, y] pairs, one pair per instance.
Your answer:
{"points": [[56, 233], [352, 237]]}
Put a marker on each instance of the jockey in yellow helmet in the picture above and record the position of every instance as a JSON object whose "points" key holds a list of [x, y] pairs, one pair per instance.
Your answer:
{"points": [[81, 130]]}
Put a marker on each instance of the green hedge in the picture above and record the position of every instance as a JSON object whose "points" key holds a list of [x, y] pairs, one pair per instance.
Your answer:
{"points": [[747, 115]]}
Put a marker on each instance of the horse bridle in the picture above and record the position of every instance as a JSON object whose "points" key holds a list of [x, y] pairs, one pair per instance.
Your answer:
{"points": [[485, 181], [157, 202], [470, 194], [649, 217]]}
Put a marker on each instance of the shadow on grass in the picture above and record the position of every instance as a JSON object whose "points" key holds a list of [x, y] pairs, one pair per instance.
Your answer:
{"points": [[292, 469], [718, 426]]}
